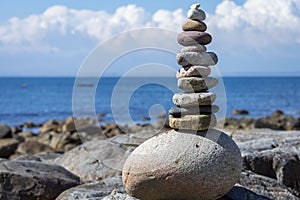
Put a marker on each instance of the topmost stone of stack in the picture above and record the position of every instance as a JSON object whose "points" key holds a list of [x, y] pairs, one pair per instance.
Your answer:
{"points": [[195, 13]]}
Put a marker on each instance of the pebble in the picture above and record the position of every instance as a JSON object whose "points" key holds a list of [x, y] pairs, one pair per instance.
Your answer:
{"points": [[196, 84], [196, 110], [193, 122], [194, 71], [197, 58], [190, 38], [194, 99], [194, 25], [195, 48], [179, 165], [195, 13]]}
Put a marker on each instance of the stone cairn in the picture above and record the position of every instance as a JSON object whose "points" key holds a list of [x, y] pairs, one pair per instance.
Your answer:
{"points": [[193, 161], [194, 110]]}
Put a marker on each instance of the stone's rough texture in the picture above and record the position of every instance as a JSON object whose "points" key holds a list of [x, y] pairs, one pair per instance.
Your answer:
{"points": [[196, 48], [5, 131], [194, 99], [193, 71], [93, 190], [34, 147], [178, 112], [33, 180], [195, 13], [8, 147], [197, 58], [193, 122], [196, 168], [275, 158], [191, 38], [194, 25], [196, 84], [95, 160], [265, 186]]}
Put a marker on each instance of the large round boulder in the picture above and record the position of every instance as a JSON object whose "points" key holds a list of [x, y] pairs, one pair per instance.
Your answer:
{"points": [[181, 165]]}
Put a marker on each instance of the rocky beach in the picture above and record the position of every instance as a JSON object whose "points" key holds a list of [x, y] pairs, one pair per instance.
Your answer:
{"points": [[65, 161]]}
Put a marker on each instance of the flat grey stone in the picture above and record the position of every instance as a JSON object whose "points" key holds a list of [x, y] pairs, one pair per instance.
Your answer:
{"points": [[194, 99], [190, 38], [196, 84], [195, 48], [193, 122], [193, 25], [193, 71], [197, 58]]}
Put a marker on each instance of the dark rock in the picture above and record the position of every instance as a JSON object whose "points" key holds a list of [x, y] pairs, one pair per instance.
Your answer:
{"points": [[33, 180], [277, 113], [178, 112], [111, 130], [5, 131], [8, 147], [95, 160], [93, 190], [239, 192], [240, 112], [191, 38]]}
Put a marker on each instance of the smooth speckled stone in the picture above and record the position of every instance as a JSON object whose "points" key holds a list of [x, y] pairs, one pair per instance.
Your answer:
{"points": [[196, 110], [196, 48], [193, 71], [194, 99], [195, 13], [190, 38], [197, 58], [193, 122], [182, 165], [194, 25], [196, 84]]}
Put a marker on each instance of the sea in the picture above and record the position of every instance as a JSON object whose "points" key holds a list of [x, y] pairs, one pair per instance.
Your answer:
{"points": [[138, 100]]}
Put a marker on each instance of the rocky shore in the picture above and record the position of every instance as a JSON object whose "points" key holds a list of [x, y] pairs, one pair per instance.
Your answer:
{"points": [[64, 161]]}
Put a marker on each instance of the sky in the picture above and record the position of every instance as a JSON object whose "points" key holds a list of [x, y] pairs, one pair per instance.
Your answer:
{"points": [[55, 37]]}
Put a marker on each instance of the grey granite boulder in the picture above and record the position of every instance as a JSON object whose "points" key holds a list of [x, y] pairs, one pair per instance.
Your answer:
{"points": [[95, 160], [197, 167], [33, 180]]}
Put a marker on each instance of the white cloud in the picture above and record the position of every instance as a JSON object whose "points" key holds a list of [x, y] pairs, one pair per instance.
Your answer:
{"points": [[47, 31], [257, 24]]}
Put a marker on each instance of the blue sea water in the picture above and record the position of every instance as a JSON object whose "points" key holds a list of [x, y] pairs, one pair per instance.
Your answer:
{"points": [[51, 98]]}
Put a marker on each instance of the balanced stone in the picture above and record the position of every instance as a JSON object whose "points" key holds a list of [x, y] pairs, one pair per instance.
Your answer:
{"points": [[197, 58], [195, 13], [190, 38], [193, 71], [193, 122], [195, 110], [195, 48], [179, 165], [194, 25], [196, 84], [194, 99]]}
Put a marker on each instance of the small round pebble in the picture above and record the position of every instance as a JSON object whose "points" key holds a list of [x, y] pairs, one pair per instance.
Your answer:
{"points": [[190, 38]]}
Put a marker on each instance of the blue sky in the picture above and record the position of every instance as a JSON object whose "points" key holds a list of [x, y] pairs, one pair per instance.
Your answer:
{"points": [[52, 38]]}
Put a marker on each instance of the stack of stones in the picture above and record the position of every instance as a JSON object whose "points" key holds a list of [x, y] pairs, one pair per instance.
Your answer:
{"points": [[192, 161], [194, 109]]}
